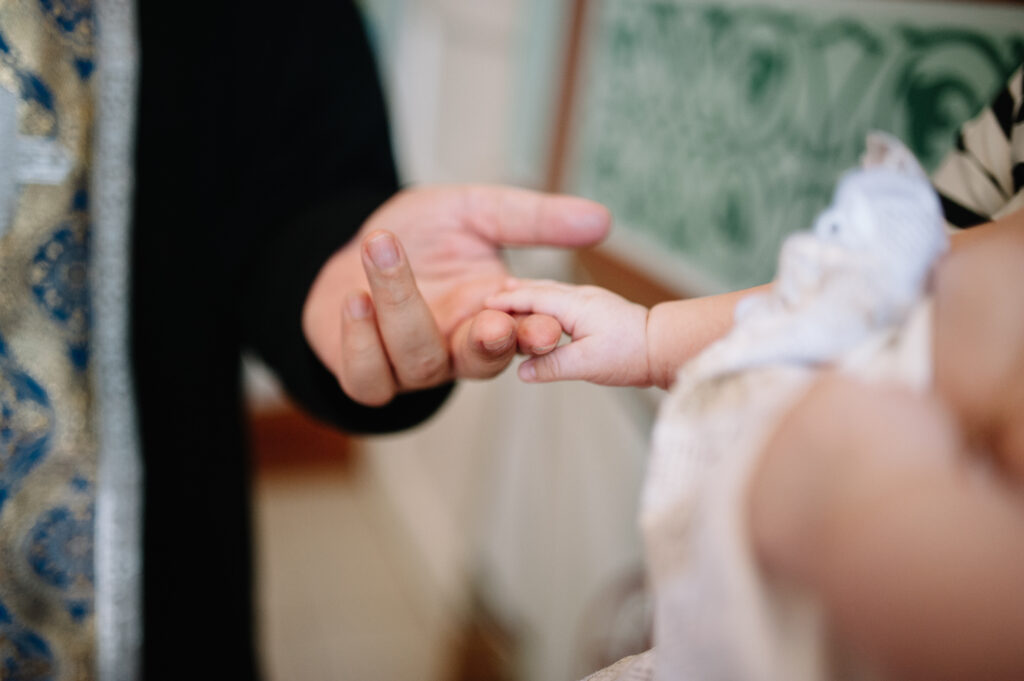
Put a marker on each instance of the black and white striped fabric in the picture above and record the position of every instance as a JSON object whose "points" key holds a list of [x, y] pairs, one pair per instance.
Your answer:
{"points": [[982, 178]]}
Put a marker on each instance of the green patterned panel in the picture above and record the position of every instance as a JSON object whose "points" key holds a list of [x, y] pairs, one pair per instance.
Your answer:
{"points": [[714, 129]]}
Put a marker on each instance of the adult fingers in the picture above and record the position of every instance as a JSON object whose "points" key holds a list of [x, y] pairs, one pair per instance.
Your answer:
{"points": [[483, 345], [538, 334], [365, 371], [512, 216], [414, 345]]}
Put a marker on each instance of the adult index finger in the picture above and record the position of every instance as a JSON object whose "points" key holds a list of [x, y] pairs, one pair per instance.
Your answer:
{"points": [[414, 344]]}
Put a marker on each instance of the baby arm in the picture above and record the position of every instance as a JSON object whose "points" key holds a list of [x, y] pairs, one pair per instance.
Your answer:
{"points": [[609, 333], [674, 332]]}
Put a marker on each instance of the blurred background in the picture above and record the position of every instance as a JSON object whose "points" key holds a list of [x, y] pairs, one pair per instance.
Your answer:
{"points": [[499, 540]]}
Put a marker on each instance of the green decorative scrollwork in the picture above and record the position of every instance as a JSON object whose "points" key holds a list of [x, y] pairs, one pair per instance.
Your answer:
{"points": [[715, 129]]}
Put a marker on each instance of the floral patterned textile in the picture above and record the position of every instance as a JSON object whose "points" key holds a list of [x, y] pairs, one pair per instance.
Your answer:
{"points": [[47, 441]]}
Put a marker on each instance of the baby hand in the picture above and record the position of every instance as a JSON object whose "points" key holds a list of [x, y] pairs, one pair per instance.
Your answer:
{"points": [[609, 333]]}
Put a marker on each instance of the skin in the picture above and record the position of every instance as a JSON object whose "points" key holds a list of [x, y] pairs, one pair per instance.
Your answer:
{"points": [[911, 545], [979, 340], [400, 307]]}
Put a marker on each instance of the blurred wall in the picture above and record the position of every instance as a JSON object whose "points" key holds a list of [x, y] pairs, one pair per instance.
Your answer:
{"points": [[451, 70]]}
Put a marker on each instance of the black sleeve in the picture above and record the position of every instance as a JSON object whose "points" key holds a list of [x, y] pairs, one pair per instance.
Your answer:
{"points": [[315, 160]]}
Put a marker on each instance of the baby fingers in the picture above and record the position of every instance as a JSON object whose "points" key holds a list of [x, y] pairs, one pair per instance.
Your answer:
{"points": [[562, 364], [547, 298]]}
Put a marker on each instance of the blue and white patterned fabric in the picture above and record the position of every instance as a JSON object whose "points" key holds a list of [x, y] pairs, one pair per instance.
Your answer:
{"points": [[48, 451]]}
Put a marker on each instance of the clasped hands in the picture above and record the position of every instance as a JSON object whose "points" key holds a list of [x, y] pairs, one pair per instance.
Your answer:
{"points": [[401, 307]]}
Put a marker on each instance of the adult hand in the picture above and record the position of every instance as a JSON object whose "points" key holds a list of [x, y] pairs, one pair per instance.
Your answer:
{"points": [[428, 258]]}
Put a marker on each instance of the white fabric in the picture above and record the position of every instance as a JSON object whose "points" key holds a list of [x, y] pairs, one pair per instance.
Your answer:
{"points": [[118, 538]]}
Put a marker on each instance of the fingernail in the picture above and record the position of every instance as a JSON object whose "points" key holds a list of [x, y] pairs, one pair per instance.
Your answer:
{"points": [[499, 344], [383, 251], [527, 372], [544, 348], [358, 306]]}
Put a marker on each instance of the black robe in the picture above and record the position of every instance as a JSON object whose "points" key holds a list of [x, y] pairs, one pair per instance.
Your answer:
{"points": [[262, 146]]}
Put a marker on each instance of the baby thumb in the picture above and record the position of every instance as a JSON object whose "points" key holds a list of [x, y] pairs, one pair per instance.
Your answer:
{"points": [[563, 364]]}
